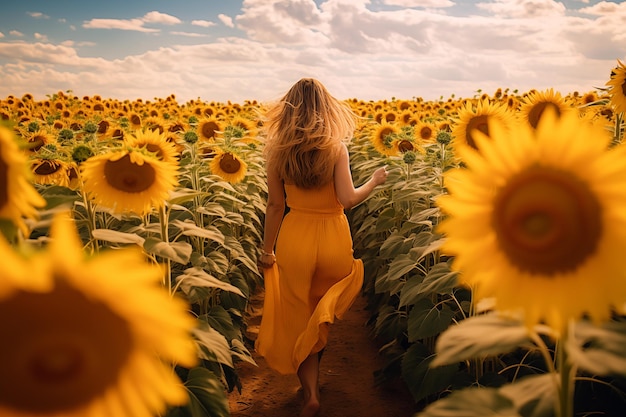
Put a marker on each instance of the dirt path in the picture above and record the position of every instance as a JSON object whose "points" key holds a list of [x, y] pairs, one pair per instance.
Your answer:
{"points": [[346, 377]]}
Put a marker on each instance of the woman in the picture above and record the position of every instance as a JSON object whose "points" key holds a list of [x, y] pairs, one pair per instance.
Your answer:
{"points": [[312, 277]]}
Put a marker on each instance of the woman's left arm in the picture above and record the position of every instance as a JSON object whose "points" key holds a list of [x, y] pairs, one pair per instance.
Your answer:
{"points": [[273, 215]]}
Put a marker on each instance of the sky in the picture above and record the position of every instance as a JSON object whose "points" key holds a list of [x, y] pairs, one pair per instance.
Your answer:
{"points": [[238, 50]]}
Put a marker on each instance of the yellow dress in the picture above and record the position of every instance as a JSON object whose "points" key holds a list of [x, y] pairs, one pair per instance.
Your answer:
{"points": [[314, 279]]}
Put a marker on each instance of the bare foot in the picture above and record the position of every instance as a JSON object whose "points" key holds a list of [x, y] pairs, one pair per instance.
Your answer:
{"points": [[310, 409], [311, 405]]}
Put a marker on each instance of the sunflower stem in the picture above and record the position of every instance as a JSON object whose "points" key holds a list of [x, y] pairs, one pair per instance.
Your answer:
{"points": [[617, 134], [165, 238], [566, 374], [91, 222]]}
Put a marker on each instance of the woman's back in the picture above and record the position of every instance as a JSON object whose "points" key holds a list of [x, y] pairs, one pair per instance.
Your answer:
{"points": [[315, 200]]}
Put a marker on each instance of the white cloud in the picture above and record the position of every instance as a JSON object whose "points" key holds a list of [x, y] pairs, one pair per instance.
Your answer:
{"points": [[16, 33], [1, 35], [524, 9], [38, 15], [120, 24], [203, 23], [137, 24], [189, 34], [427, 4], [162, 18], [226, 20], [279, 21], [40, 37]]}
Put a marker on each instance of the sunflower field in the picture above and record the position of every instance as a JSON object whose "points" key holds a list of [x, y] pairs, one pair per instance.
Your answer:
{"points": [[494, 280]]}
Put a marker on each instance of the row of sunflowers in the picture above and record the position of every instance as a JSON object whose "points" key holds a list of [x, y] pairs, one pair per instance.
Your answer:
{"points": [[122, 217]]}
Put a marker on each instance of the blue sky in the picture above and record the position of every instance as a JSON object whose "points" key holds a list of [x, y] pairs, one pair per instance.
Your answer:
{"points": [[255, 49]]}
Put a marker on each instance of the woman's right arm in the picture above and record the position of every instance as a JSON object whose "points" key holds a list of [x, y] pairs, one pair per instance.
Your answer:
{"points": [[347, 194]]}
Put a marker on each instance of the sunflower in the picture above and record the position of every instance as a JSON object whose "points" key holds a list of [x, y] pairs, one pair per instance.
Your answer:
{"points": [[425, 132], [38, 139], [617, 90], [533, 106], [476, 118], [383, 137], [89, 336], [209, 128], [536, 220], [135, 120], [240, 127], [229, 166], [155, 143], [18, 198], [50, 172], [128, 180]]}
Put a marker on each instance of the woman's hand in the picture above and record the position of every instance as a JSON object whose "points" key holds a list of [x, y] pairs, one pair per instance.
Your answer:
{"points": [[266, 260], [380, 175]]}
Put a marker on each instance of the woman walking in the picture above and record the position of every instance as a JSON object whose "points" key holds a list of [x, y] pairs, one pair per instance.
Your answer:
{"points": [[310, 273]]}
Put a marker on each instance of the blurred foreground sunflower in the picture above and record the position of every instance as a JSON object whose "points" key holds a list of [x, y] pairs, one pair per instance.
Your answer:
{"points": [[229, 166], [18, 197], [93, 338], [128, 181], [536, 221], [617, 90]]}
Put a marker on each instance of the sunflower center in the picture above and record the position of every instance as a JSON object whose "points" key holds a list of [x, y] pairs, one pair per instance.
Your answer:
{"points": [[47, 168], [155, 149], [65, 350], [229, 164], [479, 123], [426, 133], [4, 181], [537, 111], [36, 143], [127, 176], [547, 221], [405, 146], [209, 129]]}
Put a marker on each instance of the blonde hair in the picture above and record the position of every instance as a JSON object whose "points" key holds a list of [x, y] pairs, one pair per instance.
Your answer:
{"points": [[304, 132]]}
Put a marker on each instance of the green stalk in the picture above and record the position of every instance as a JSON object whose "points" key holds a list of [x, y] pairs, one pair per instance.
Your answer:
{"points": [[566, 388], [617, 134], [91, 222], [165, 238]]}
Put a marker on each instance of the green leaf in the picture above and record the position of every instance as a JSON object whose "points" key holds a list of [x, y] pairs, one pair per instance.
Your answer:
{"points": [[600, 350], [183, 195], [472, 402], [189, 228], [197, 277], [114, 236], [400, 266], [396, 244], [478, 337], [422, 379], [533, 395], [439, 280], [426, 320], [213, 345], [176, 251], [207, 396]]}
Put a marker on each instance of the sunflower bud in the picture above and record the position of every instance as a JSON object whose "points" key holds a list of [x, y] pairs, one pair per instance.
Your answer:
{"points": [[444, 137], [190, 137]]}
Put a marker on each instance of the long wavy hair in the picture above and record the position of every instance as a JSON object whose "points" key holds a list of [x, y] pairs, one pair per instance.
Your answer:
{"points": [[304, 132]]}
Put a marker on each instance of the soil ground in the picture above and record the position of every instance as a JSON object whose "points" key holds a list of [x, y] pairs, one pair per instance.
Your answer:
{"points": [[347, 368]]}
